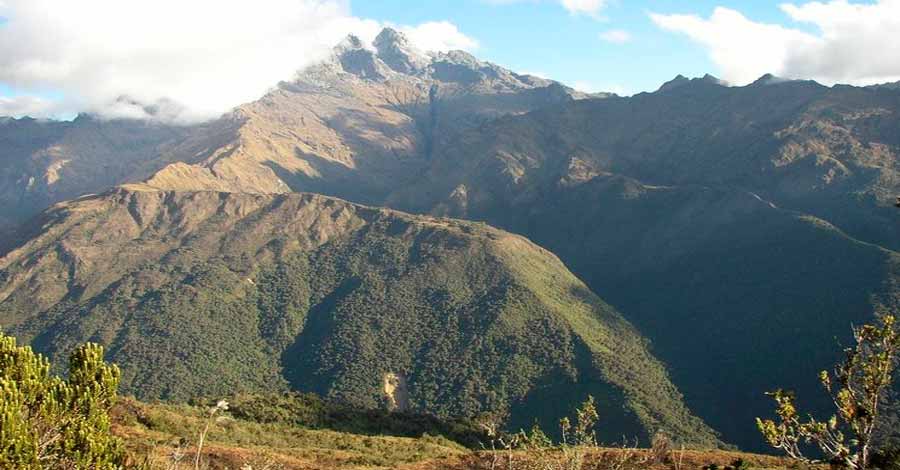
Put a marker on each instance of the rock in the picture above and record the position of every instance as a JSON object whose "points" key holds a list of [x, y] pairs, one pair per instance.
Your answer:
{"points": [[395, 50]]}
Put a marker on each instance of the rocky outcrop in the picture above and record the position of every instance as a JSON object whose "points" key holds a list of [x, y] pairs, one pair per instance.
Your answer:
{"points": [[395, 50]]}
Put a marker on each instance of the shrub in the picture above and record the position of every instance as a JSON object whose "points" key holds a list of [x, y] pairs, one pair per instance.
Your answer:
{"points": [[660, 448], [858, 388], [50, 423], [311, 411]]}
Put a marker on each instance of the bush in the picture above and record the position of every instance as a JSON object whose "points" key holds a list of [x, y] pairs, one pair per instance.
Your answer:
{"points": [[660, 448], [50, 423], [311, 411], [858, 386]]}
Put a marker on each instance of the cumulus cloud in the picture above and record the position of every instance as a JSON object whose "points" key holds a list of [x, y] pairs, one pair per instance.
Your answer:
{"points": [[854, 43], [195, 58], [615, 36]]}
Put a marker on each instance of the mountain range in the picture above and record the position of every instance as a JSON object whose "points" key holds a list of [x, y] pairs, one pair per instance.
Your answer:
{"points": [[687, 250]]}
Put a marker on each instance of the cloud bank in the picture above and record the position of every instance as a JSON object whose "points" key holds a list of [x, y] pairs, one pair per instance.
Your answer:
{"points": [[196, 59], [853, 43]]}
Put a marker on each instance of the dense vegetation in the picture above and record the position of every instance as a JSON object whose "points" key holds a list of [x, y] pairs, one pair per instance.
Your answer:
{"points": [[722, 266], [308, 410], [206, 294], [51, 423]]}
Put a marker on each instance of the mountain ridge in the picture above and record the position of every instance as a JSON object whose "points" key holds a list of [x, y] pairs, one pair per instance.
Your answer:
{"points": [[209, 292], [723, 222], [327, 130], [703, 209]]}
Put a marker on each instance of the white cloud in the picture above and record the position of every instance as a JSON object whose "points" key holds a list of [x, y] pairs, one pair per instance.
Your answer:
{"points": [[855, 43], [23, 105], [742, 49], [615, 36], [858, 44], [585, 7], [588, 7], [201, 56], [439, 36]]}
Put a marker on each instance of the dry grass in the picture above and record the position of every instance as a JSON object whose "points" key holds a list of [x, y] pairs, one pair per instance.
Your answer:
{"points": [[156, 433], [622, 458]]}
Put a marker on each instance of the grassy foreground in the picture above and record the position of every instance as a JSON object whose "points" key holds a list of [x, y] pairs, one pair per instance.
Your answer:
{"points": [[165, 436]]}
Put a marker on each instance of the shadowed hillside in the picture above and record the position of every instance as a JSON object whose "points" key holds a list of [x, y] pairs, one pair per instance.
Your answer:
{"points": [[208, 293], [736, 227]]}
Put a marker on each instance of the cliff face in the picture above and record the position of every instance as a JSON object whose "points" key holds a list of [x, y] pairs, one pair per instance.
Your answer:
{"points": [[205, 293]]}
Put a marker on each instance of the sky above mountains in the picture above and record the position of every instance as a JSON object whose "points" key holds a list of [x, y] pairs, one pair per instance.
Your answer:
{"points": [[201, 58]]}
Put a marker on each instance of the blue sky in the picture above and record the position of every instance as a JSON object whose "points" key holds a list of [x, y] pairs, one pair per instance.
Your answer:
{"points": [[543, 37], [214, 55]]}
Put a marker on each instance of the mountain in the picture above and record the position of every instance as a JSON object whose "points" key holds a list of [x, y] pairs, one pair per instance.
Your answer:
{"points": [[891, 86], [742, 229], [209, 294], [362, 122], [831, 152], [353, 126], [45, 162]]}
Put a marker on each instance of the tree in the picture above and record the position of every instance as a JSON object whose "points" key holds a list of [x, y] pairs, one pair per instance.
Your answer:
{"points": [[50, 423], [858, 387]]}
